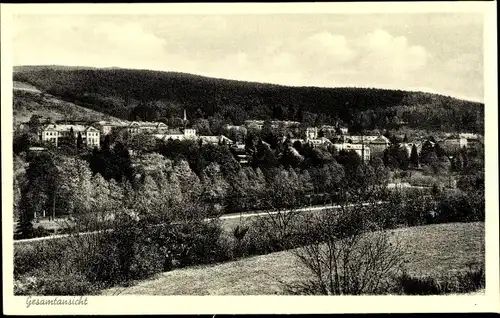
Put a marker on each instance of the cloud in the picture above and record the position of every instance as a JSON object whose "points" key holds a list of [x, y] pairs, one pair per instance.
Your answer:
{"points": [[306, 50], [383, 52], [465, 63], [78, 41], [330, 46]]}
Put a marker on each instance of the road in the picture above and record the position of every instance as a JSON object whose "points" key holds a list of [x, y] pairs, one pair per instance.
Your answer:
{"points": [[27, 89], [241, 215]]}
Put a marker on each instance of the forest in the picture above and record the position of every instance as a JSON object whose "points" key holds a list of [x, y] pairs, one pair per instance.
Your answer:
{"points": [[162, 96]]}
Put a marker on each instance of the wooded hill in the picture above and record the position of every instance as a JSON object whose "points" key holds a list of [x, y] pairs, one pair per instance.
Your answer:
{"points": [[154, 95]]}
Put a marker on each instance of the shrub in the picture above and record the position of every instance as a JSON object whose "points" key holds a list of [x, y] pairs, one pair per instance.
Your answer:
{"points": [[198, 243], [467, 281], [30, 256], [54, 284], [461, 207], [347, 257]]}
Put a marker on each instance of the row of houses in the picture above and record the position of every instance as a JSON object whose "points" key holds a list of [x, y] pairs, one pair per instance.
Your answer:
{"points": [[454, 142], [190, 134], [365, 145], [258, 124], [91, 136]]}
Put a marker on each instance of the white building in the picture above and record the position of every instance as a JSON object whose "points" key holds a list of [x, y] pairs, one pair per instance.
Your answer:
{"points": [[363, 151], [311, 133], [455, 143], [365, 139], [319, 141], [216, 140], [106, 127], [54, 133], [147, 127], [174, 134], [468, 135]]}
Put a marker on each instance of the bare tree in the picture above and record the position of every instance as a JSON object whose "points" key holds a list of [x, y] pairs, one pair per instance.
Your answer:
{"points": [[348, 255], [281, 201]]}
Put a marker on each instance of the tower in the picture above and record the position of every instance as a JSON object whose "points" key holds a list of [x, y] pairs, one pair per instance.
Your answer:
{"points": [[184, 120], [362, 149]]}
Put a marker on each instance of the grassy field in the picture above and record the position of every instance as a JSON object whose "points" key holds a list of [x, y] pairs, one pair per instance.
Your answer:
{"points": [[28, 103], [432, 250], [21, 85]]}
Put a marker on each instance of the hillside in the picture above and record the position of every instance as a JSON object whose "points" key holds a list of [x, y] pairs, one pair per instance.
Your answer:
{"points": [[432, 251], [27, 101], [154, 95]]}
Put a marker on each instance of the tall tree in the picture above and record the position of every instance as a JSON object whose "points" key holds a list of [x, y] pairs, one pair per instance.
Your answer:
{"points": [[79, 141], [37, 192], [427, 153], [414, 156], [71, 137]]}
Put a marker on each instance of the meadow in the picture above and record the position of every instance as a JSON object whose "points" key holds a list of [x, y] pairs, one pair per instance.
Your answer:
{"points": [[439, 251]]}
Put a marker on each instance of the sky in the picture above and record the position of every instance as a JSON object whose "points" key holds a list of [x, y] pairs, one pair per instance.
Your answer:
{"points": [[439, 52]]}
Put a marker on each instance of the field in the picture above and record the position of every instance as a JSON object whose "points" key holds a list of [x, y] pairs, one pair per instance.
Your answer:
{"points": [[431, 251], [28, 102], [24, 86]]}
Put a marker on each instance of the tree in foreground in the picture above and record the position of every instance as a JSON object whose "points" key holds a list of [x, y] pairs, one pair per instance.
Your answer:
{"points": [[348, 256]]}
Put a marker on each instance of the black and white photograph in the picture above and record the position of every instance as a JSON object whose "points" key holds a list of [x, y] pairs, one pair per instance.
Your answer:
{"points": [[223, 153]]}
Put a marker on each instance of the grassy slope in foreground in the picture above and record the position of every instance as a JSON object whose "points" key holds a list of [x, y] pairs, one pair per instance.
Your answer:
{"points": [[432, 250]]}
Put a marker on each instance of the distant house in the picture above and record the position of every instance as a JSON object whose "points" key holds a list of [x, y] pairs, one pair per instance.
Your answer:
{"points": [[319, 141], [236, 128], [258, 124], [240, 154], [216, 140], [106, 127], [175, 134], [379, 145], [37, 149], [454, 143], [54, 133], [469, 136], [362, 150], [312, 133], [376, 143], [147, 127], [286, 123], [357, 139]]}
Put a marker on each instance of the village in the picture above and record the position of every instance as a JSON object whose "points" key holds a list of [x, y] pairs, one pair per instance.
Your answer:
{"points": [[293, 134]]}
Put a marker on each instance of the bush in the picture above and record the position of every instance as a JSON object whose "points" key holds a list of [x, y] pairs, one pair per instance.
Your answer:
{"points": [[468, 281], [134, 250], [54, 284], [30, 256], [198, 243], [461, 207], [348, 256]]}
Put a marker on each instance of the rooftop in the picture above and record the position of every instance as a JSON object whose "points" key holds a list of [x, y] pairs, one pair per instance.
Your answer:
{"points": [[66, 127]]}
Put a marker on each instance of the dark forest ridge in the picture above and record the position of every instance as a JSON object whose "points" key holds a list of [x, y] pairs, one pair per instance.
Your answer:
{"points": [[30, 68], [157, 95]]}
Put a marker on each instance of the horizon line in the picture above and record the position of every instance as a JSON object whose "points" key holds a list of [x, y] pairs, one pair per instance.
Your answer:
{"points": [[429, 91]]}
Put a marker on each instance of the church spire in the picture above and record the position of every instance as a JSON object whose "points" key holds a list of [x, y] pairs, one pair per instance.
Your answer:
{"points": [[185, 119]]}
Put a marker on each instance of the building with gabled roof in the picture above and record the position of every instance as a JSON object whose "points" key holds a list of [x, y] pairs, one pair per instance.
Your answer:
{"points": [[216, 140], [54, 133], [176, 134], [136, 127], [362, 150]]}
